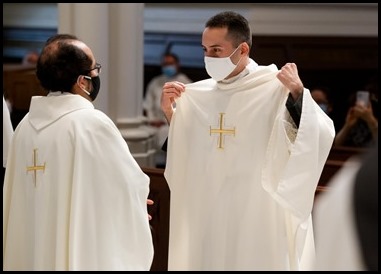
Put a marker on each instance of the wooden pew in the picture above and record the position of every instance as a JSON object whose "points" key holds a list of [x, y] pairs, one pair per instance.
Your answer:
{"points": [[329, 169], [160, 194], [343, 153], [336, 158], [20, 83]]}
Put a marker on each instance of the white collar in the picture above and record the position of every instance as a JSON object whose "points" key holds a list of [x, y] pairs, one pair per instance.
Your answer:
{"points": [[251, 67]]}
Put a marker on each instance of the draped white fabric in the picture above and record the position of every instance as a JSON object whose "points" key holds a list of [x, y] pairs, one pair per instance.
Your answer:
{"points": [[337, 242], [242, 187], [7, 131], [83, 210]]}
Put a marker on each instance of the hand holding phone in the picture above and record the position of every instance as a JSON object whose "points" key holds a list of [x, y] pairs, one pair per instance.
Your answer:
{"points": [[362, 98]]}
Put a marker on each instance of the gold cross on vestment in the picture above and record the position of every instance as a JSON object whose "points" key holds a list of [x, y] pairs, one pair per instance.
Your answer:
{"points": [[221, 131], [35, 167]]}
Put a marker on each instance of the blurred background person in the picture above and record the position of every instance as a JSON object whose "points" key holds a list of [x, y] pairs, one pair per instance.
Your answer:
{"points": [[360, 128], [30, 58], [322, 98], [170, 71]]}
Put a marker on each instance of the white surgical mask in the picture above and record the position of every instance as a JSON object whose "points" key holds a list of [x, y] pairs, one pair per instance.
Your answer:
{"points": [[220, 67]]}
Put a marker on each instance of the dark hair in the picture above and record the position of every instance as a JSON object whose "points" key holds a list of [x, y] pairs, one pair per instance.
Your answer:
{"points": [[326, 90], [63, 36], [61, 62], [171, 54], [237, 25]]}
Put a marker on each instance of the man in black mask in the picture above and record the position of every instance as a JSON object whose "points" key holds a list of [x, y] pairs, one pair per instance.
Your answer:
{"points": [[74, 198]]}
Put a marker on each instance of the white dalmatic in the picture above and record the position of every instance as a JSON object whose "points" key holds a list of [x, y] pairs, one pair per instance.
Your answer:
{"points": [[242, 177]]}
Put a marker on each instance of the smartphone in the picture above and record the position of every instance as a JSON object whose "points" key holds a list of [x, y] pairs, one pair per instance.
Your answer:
{"points": [[362, 98]]}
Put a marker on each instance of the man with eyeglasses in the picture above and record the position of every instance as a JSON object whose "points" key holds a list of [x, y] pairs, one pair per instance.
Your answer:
{"points": [[74, 198]]}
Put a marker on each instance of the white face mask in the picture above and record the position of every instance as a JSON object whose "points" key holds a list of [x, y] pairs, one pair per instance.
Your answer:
{"points": [[220, 67]]}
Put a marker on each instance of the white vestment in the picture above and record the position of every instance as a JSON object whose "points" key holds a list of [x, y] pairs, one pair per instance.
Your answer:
{"points": [[7, 131], [337, 242], [241, 199], [84, 205]]}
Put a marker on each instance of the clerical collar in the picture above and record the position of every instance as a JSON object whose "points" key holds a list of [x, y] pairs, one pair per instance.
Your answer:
{"points": [[248, 69], [57, 93]]}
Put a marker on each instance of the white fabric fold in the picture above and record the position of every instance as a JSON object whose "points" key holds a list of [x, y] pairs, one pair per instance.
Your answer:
{"points": [[87, 208], [247, 205]]}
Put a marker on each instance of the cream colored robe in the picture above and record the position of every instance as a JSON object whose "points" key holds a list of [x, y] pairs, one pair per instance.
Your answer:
{"points": [[244, 203], [337, 242], [7, 131], [86, 207]]}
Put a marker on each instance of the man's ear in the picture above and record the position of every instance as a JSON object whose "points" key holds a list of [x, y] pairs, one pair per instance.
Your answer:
{"points": [[79, 85], [81, 81], [245, 48]]}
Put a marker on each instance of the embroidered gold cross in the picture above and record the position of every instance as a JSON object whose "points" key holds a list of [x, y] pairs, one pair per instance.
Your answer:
{"points": [[221, 131], [35, 167]]}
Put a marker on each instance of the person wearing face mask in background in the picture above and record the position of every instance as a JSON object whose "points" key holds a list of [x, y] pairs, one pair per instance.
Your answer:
{"points": [[245, 153], [321, 96], [170, 71], [74, 198]]}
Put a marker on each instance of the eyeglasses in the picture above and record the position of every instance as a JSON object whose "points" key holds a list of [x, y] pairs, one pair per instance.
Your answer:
{"points": [[97, 67]]}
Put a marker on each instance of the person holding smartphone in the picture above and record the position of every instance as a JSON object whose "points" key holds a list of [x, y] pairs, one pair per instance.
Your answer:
{"points": [[360, 128]]}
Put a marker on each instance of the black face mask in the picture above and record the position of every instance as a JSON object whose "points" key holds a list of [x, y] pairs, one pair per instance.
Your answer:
{"points": [[96, 82]]}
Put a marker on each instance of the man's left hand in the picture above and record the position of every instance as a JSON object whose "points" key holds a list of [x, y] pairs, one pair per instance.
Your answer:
{"points": [[289, 77]]}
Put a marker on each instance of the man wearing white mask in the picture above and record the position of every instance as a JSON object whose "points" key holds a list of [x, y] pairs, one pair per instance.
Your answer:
{"points": [[245, 152]]}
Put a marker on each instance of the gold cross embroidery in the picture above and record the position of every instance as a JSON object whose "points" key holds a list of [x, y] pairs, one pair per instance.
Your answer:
{"points": [[35, 167], [221, 131]]}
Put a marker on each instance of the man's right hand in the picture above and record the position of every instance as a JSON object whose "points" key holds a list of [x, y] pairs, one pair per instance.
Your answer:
{"points": [[171, 91]]}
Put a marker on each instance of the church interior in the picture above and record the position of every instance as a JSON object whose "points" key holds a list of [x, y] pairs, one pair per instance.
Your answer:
{"points": [[342, 55]]}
